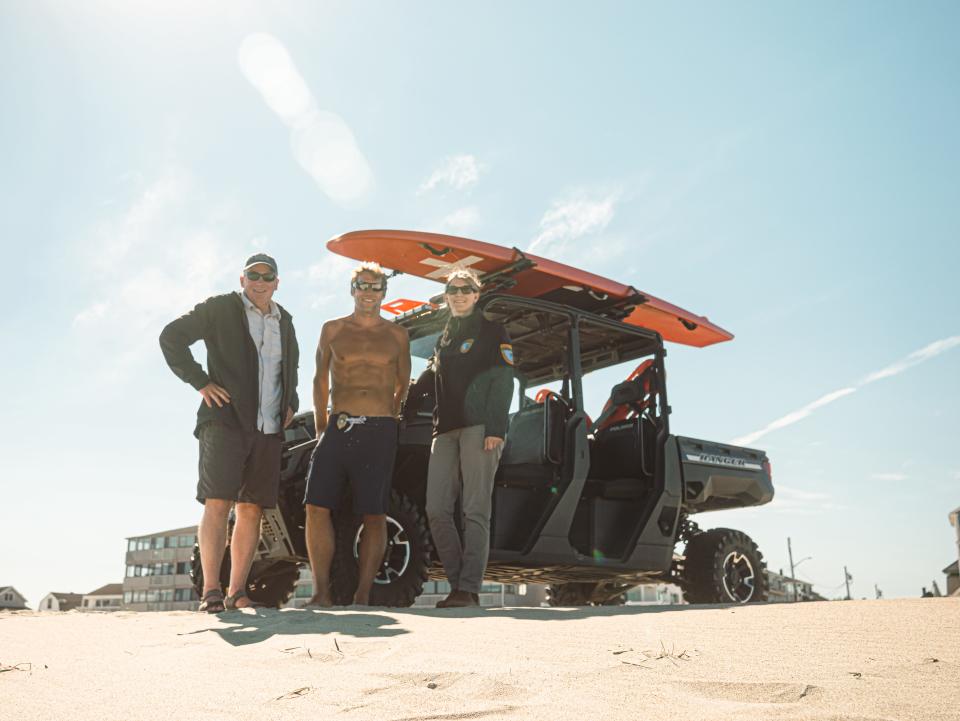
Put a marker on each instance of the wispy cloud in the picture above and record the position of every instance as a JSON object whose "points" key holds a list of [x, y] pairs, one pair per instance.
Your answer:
{"points": [[151, 264], [793, 416], [328, 280], [919, 356], [322, 142], [572, 218], [459, 172], [915, 358], [460, 222], [796, 500], [889, 476]]}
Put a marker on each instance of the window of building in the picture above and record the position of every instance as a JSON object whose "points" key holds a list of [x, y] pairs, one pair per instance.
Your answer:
{"points": [[186, 541], [173, 541], [128, 596], [183, 567], [86, 603], [166, 594], [132, 544], [304, 591], [49, 603], [143, 544]]}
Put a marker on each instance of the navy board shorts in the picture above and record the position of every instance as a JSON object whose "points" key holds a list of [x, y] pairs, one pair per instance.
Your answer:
{"points": [[354, 450]]}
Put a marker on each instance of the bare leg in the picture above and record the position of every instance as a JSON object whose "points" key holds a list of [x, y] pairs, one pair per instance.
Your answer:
{"points": [[320, 544], [246, 536], [212, 537], [373, 544]]}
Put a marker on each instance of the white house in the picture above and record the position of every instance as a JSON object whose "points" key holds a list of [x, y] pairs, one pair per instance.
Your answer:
{"points": [[12, 599], [105, 598], [59, 601]]}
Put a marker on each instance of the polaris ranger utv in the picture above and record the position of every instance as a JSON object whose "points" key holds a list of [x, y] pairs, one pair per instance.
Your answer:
{"points": [[589, 506]]}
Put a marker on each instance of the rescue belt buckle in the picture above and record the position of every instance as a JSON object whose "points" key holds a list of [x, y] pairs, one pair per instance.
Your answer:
{"points": [[346, 422]]}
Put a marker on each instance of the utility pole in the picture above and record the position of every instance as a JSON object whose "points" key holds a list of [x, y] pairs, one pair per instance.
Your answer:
{"points": [[846, 579], [793, 579], [876, 590]]}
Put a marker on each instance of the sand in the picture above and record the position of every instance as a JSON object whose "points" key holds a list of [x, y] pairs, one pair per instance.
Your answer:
{"points": [[860, 660]]}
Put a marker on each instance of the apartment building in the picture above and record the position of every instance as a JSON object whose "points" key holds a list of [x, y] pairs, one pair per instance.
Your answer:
{"points": [[157, 574]]}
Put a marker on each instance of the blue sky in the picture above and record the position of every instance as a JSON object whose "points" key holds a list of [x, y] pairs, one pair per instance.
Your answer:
{"points": [[789, 171]]}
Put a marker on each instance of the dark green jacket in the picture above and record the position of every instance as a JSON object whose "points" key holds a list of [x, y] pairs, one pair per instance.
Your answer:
{"points": [[232, 362], [473, 362]]}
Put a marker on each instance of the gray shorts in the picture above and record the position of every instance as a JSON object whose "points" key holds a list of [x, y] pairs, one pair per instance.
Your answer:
{"points": [[238, 465]]}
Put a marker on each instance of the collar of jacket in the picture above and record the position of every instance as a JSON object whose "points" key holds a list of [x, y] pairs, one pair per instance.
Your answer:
{"points": [[465, 327], [284, 314]]}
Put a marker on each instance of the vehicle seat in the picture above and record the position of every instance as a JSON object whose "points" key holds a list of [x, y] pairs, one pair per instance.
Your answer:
{"points": [[622, 458], [630, 397], [534, 447]]}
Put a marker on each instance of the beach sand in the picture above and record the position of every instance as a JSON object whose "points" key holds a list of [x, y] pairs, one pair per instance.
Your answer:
{"points": [[897, 659]]}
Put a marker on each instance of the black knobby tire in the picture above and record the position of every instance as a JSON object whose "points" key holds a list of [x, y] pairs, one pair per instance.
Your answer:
{"points": [[579, 593], [723, 565], [269, 583], [569, 594], [406, 560]]}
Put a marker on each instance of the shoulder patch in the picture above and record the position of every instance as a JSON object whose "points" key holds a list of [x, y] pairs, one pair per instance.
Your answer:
{"points": [[506, 351], [466, 345]]}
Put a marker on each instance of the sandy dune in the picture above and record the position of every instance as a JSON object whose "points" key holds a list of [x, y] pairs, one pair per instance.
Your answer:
{"points": [[860, 660]]}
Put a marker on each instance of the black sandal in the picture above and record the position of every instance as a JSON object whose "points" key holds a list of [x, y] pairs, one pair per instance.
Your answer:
{"points": [[212, 602], [231, 601]]}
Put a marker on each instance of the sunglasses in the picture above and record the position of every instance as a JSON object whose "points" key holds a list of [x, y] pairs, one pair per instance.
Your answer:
{"points": [[254, 275], [364, 285], [465, 289]]}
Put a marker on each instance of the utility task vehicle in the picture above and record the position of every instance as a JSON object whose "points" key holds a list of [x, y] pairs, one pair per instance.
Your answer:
{"points": [[590, 506]]}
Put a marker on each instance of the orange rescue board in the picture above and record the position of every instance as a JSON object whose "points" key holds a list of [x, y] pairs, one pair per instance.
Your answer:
{"points": [[432, 255]]}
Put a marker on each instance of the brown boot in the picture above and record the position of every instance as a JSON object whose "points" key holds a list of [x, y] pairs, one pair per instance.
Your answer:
{"points": [[444, 602], [459, 599]]}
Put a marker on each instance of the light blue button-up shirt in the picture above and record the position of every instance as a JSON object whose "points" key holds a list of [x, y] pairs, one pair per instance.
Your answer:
{"points": [[265, 332]]}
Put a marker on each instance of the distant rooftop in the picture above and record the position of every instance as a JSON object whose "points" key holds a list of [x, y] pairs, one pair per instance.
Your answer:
{"points": [[111, 589], [171, 532]]}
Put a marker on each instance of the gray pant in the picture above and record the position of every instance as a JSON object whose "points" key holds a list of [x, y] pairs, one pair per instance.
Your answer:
{"points": [[452, 454]]}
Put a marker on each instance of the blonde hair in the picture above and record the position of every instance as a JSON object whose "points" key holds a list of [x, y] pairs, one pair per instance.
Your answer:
{"points": [[467, 274], [368, 266]]}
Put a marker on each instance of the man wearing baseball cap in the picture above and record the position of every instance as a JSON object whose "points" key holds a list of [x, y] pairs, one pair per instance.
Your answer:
{"points": [[249, 395]]}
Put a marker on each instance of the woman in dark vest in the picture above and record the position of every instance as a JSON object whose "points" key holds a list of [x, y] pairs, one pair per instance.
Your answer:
{"points": [[473, 365]]}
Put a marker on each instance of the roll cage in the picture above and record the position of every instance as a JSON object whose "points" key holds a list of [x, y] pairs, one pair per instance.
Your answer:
{"points": [[553, 342]]}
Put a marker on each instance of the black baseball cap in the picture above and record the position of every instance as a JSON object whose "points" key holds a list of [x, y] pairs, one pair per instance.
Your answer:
{"points": [[261, 258]]}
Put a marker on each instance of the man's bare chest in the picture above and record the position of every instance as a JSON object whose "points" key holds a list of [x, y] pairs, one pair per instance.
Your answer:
{"points": [[376, 346]]}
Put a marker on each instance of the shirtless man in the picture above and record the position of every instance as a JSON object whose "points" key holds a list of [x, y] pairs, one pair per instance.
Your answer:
{"points": [[368, 358]]}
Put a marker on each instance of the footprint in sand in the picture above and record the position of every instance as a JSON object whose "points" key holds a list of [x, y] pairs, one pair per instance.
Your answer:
{"points": [[751, 692], [464, 685]]}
